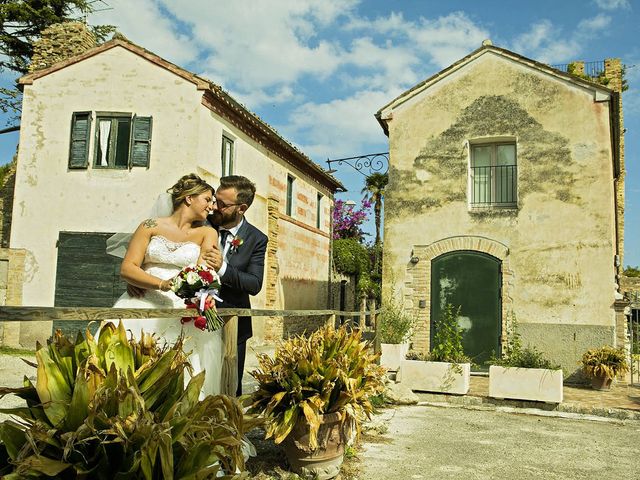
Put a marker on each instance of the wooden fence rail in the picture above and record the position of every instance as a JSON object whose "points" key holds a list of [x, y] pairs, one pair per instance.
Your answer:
{"points": [[38, 314]]}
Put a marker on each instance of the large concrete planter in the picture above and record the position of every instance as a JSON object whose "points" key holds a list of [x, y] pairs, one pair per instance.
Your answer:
{"points": [[392, 354], [538, 384], [441, 377]]}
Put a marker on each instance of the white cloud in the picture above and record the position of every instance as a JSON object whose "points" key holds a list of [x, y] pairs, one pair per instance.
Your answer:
{"points": [[613, 4], [282, 94], [547, 43], [261, 44], [393, 24], [383, 66], [596, 23], [340, 127], [448, 38], [538, 34], [144, 23], [263, 49]]}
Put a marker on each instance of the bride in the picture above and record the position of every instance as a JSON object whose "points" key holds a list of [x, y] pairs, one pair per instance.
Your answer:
{"points": [[158, 250]]}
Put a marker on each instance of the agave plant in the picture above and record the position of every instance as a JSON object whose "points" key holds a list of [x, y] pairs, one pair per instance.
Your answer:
{"points": [[605, 361], [329, 371], [119, 408]]}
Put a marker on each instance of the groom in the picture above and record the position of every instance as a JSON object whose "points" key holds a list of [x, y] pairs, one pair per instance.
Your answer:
{"points": [[240, 260]]}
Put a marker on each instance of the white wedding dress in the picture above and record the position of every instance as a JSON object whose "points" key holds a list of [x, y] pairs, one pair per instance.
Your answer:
{"points": [[164, 259]]}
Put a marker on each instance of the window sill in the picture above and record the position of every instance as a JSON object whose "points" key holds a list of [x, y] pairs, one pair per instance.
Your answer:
{"points": [[494, 206], [494, 210], [108, 167]]}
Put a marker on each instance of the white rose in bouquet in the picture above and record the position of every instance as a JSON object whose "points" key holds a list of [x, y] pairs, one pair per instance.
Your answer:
{"points": [[193, 278]]}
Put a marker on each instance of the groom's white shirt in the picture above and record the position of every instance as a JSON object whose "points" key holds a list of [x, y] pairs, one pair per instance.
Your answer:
{"points": [[225, 248]]}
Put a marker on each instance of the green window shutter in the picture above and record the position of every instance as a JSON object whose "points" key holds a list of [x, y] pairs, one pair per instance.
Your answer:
{"points": [[79, 144], [141, 142]]}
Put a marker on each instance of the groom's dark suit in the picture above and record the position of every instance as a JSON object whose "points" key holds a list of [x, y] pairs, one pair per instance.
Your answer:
{"points": [[243, 277]]}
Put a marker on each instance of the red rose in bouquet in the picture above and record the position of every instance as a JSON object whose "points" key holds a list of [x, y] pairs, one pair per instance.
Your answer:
{"points": [[198, 285]]}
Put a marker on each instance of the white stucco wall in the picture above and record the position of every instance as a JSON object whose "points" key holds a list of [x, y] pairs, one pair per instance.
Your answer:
{"points": [[560, 240], [186, 137]]}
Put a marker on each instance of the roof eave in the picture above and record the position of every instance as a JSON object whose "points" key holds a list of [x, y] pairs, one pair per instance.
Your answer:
{"points": [[407, 94], [223, 104], [200, 83], [383, 123]]}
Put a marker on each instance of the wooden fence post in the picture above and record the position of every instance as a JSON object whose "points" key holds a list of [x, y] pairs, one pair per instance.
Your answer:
{"points": [[374, 324]]}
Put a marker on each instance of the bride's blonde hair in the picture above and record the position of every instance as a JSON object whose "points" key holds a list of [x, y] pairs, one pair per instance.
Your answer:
{"points": [[190, 184]]}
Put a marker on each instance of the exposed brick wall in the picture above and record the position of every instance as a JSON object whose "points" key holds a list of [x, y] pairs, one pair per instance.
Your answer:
{"points": [[629, 284], [613, 72], [59, 42], [6, 205], [11, 286], [273, 326]]}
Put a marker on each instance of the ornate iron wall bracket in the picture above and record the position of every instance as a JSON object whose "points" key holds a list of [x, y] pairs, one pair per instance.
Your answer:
{"points": [[363, 164]]}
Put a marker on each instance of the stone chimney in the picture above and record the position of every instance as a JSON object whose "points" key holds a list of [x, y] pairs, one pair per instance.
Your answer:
{"points": [[613, 71], [59, 42]]}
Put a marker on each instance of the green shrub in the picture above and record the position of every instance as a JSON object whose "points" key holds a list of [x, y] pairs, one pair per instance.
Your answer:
{"points": [[351, 257], [447, 338], [394, 323], [515, 355]]}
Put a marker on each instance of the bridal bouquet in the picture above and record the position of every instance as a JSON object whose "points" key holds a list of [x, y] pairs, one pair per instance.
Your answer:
{"points": [[198, 285]]}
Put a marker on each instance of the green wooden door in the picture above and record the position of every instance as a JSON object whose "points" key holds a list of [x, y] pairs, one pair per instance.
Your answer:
{"points": [[472, 281], [85, 276]]}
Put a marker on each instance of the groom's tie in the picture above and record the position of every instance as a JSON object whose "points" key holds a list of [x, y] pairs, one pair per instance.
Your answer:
{"points": [[224, 234]]}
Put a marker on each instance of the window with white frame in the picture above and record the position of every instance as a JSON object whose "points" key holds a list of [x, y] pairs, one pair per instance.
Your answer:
{"points": [[227, 156], [493, 175]]}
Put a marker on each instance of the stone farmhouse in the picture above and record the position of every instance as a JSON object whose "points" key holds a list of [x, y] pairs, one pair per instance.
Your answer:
{"points": [[103, 132], [506, 198]]}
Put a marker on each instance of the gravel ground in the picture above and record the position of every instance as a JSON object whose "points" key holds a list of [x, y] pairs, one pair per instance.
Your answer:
{"points": [[427, 442], [12, 371]]}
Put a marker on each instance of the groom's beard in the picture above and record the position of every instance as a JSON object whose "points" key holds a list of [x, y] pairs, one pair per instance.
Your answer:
{"points": [[220, 218], [215, 217]]}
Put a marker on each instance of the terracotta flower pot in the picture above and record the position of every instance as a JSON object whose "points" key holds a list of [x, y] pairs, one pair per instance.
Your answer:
{"points": [[601, 383], [324, 462]]}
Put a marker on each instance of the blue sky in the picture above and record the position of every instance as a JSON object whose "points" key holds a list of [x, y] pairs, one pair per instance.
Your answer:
{"points": [[317, 70]]}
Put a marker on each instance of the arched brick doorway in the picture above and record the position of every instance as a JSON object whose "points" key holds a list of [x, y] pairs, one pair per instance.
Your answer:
{"points": [[418, 280]]}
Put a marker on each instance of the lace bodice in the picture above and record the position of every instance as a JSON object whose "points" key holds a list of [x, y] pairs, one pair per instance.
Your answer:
{"points": [[168, 256]]}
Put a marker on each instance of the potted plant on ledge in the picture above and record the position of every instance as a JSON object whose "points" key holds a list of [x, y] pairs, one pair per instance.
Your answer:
{"points": [[314, 394], [522, 373], [603, 364], [394, 327], [446, 369]]}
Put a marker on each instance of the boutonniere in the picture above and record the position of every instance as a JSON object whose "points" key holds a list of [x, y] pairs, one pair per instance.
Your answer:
{"points": [[235, 243]]}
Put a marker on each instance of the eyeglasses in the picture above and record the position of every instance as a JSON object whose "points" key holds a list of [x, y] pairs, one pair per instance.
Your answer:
{"points": [[221, 205]]}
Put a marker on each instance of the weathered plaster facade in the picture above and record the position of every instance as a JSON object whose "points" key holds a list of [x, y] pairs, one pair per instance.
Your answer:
{"points": [[190, 116], [558, 243]]}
